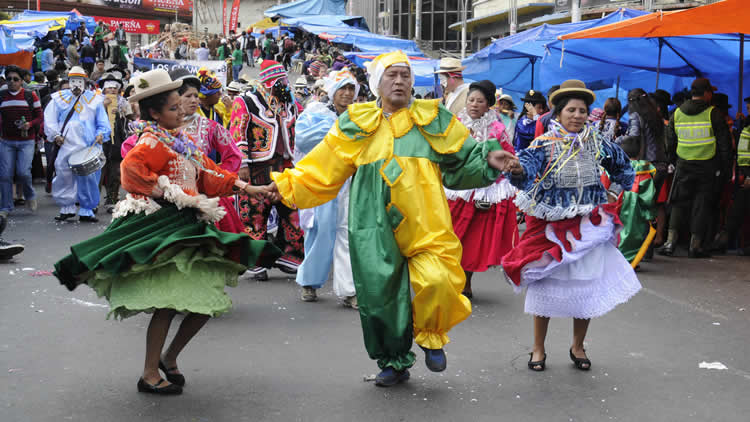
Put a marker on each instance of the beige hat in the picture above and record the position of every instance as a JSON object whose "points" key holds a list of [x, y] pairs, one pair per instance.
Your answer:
{"points": [[573, 86], [151, 83], [449, 64]]}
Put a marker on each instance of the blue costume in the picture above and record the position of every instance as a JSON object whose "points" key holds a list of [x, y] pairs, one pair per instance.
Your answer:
{"points": [[326, 226], [525, 128], [87, 122]]}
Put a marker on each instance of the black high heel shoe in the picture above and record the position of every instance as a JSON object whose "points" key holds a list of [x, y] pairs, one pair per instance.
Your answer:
{"points": [[541, 364], [177, 379], [171, 389], [580, 362]]}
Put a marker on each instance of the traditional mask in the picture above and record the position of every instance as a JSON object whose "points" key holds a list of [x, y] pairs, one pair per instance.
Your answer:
{"points": [[77, 85]]}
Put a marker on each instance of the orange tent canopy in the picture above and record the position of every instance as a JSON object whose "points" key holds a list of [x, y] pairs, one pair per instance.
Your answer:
{"points": [[725, 17]]}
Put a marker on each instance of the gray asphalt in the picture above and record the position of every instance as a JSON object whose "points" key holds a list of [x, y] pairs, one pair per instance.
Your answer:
{"points": [[275, 358]]}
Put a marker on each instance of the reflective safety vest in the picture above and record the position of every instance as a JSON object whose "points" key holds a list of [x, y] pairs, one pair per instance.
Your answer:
{"points": [[743, 148], [695, 135]]}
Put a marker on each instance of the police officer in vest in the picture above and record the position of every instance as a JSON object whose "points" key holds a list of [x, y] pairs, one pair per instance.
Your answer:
{"points": [[698, 139], [741, 204]]}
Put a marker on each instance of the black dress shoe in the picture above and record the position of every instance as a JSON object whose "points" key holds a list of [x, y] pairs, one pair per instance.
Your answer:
{"points": [[88, 219], [171, 389], [63, 217], [698, 253], [177, 379], [667, 249]]}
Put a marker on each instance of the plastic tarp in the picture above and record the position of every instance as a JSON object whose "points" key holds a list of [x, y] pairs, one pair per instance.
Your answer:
{"points": [[423, 68], [308, 8], [514, 62], [725, 17], [715, 56], [358, 38], [329, 20], [73, 22]]}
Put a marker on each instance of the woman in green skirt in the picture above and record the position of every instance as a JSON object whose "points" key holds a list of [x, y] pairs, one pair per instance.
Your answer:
{"points": [[162, 254]]}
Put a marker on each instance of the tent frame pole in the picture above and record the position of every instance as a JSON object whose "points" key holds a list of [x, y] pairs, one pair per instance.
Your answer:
{"points": [[742, 70], [658, 63], [532, 72]]}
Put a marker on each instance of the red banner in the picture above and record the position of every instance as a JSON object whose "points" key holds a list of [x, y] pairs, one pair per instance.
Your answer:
{"points": [[224, 18], [134, 26], [234, 16]]}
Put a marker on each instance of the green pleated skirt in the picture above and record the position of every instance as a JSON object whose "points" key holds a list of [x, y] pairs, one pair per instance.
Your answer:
{"points": [[166, 260]]}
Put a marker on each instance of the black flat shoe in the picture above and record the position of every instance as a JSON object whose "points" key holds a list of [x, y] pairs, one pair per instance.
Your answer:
{"points": [[171, 389], [177, 379], [63, 217], [541, 364], [88, 219], [580, 362]]}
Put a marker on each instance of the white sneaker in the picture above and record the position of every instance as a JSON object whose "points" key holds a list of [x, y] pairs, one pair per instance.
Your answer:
{"points": [[32, 205]]}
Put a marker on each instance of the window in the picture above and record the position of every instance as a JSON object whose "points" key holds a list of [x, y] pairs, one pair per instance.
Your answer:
{"points": [[438, 27], [426, 26], [439, 5], [404, 26]]}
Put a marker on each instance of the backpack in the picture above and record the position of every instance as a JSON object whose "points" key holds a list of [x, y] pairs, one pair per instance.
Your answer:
{"points": [[273, 48], [288, 44]]}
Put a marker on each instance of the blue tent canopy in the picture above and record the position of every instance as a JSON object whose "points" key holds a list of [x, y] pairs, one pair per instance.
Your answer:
{"points": [[683, 58], [357, 38], [74, 20], [308, 8], [329, 20], [514, 62], [423, 68]]}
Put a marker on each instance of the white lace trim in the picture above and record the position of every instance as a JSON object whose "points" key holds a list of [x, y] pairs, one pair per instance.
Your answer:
{"points": [[134, 205], [540, 210], [209, 209], [494, 193]]}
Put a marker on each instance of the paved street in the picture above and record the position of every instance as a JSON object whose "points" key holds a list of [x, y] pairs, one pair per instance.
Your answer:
{"points": [[276, 358]]}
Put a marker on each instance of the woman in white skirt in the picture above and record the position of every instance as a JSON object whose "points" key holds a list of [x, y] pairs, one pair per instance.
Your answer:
{"points": [[567, 259]]}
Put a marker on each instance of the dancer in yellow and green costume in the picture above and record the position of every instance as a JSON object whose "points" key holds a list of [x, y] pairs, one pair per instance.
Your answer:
{"points": [[400, 152]]}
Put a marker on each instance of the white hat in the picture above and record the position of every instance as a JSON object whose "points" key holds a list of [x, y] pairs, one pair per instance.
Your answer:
{"points": [[223, 40], [301, 82], [151, 83], [77, 72], [235, 86]]}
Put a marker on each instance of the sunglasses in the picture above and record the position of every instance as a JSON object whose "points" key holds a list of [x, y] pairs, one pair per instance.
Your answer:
{"points": [[15, 79]]}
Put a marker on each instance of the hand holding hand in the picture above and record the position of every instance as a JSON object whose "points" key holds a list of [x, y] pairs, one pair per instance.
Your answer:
{"points": [[504, 161], [244, 174], [273, 192]]}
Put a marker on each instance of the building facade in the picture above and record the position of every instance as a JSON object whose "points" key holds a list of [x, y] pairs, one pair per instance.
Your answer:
{"points": [[399, 18]]}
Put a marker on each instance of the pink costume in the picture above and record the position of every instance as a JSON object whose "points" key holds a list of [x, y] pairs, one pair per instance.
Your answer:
{"points": [[210, 136]]}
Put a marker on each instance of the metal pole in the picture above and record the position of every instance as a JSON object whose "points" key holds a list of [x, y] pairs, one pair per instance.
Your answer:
{"points": [[532, 73], [658, 63], [617, 89], [417, 21], [463, 30], [742, 70], [575, 10], [513, 16]]}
